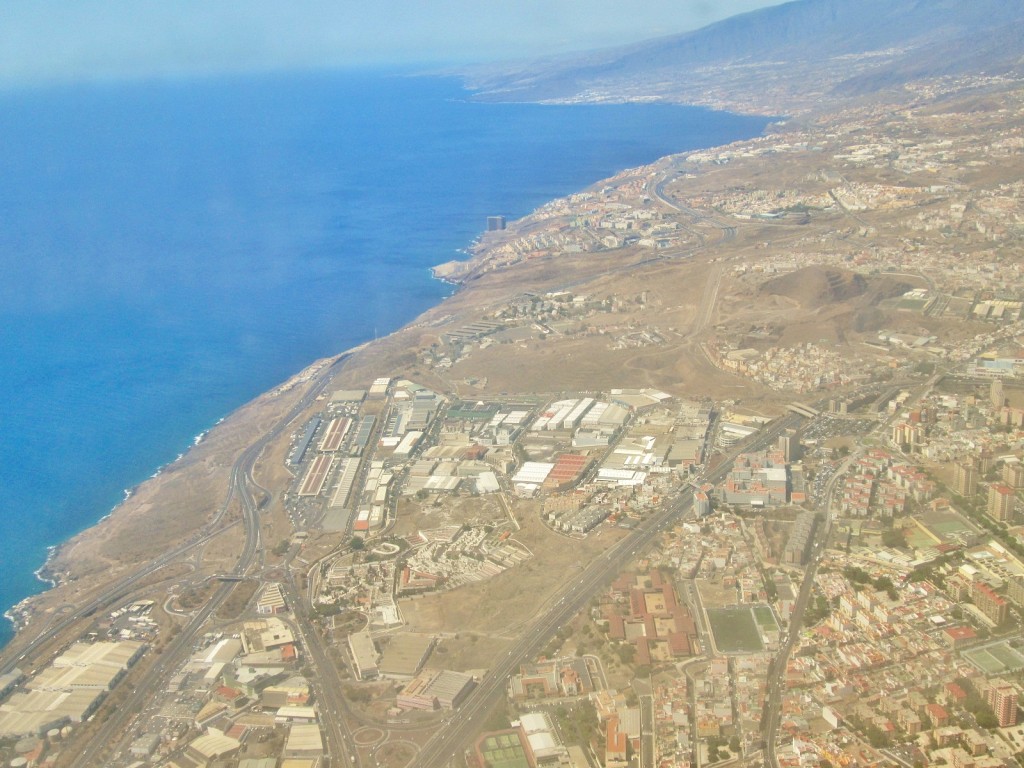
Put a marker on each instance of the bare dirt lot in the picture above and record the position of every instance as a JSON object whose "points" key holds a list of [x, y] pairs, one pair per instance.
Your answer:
{"points": [[498, 607]]}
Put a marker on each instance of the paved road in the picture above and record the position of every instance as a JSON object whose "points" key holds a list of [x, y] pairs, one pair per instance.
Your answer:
{"points": [[113, 730], [116, 592], [460, 731], [327, 685], [777, 674], [708, 301], [647, 732], [123, 588], [776, 683], [657, 191]]}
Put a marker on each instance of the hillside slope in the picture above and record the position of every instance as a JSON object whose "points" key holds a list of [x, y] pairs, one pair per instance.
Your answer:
{"points": [[786, 56]]}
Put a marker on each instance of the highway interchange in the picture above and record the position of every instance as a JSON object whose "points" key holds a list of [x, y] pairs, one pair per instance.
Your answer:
{"points": [[115, 729], [456, 733]]}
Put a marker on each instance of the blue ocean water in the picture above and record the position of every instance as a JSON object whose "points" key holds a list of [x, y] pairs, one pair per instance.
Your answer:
{"points": [[169, 250]]}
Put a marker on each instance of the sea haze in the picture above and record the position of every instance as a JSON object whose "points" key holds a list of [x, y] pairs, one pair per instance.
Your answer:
{"points": [[170, 250]]}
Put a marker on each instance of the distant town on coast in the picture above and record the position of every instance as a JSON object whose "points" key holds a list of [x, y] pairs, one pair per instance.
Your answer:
{"points": [[716, 461]]}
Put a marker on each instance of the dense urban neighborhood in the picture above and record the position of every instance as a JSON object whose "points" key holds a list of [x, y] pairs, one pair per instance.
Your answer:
{"points": [[717, 462]]}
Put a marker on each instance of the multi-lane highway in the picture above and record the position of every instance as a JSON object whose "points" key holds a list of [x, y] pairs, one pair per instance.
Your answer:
{"points": [[123, 588], [327, 686], [457, 734], [114, 730]]}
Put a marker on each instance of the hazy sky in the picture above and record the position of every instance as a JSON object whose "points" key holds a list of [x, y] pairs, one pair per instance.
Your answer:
{"points": [[71, 40]]}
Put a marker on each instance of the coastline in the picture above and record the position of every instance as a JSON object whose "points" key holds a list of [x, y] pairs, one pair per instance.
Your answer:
{"points": [[54, 571], [44, 574], [19, 615], [53, 550], [778, 301]]}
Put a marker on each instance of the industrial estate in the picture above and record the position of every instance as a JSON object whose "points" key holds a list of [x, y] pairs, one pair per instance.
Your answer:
{"points": [[718, 462]]}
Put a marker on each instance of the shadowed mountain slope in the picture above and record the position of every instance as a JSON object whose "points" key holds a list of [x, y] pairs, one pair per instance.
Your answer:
{"points": [[807, 48]]}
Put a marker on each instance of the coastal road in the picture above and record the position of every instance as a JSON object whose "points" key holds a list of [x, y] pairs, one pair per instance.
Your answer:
{"points": [[657, 191], [123, 588], [114, 728], [117, 592], [459, 732]]}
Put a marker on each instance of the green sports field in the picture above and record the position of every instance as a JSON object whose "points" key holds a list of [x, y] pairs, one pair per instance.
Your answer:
{"points": [[995, 659], [735, 629], [504, 751]]}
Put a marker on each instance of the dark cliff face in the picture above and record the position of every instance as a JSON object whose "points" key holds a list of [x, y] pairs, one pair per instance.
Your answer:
{"points": [[912, 38]]}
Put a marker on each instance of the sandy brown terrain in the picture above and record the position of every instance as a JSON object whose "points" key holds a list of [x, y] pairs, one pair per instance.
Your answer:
{"points": [[496, 609], [161, 514], [885, 218]]}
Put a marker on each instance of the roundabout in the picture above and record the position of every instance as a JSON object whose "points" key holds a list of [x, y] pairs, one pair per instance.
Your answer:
{"points": [[368, 736]]}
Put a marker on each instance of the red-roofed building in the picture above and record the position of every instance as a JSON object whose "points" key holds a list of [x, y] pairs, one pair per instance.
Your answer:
{"points": [[954, 694], [475, 452], [937, 714], [660, 627], [637, 604], [992, 605], [231, 696], [643, 651], [679, 644], [623, 583], [615, 744], [616, 625], [958, 637], [568, 469]]}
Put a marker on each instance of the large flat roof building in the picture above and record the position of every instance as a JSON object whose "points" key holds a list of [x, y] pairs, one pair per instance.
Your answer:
{"points": [[757, 479], [304, 741], [405, 655], [70, 689], [435, 689], [364, 655]]}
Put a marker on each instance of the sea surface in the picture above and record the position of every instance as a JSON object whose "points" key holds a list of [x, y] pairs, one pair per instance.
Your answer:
{"points": [[169, 250]]}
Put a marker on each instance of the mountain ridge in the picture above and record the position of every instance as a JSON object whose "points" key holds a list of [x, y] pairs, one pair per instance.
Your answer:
{"points": [[848, 48]]}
